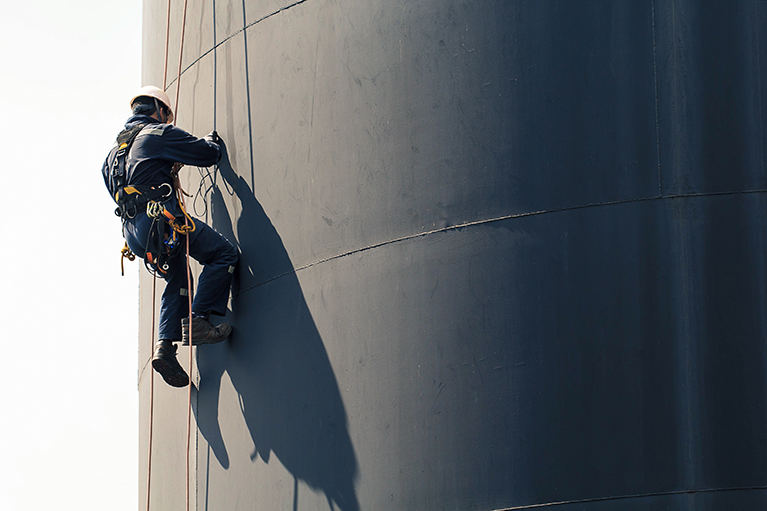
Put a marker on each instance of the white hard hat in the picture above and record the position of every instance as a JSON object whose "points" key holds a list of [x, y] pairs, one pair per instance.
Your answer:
{"points": [[150, 91]]}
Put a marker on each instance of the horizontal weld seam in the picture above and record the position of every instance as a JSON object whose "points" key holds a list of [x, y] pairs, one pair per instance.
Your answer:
{"points": [[243, 29], [637, 496], [497, 219]]}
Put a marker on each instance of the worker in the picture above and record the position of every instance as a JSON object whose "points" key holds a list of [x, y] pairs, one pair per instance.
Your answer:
{"points": [[154, 150]]}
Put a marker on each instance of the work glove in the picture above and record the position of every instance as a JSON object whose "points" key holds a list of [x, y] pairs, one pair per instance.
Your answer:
{"points": [[213, 137]]}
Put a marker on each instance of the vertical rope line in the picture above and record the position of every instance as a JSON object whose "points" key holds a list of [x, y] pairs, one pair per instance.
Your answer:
{"points": [[180, 55], [215, 94], [247, 93], [188, 274], [188, 268], [154, 298], [151, 399], [215, 66], [191, 346], [167, 38]]}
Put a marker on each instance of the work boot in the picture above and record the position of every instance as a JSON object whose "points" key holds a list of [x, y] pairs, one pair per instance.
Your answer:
{"points": [[204, 332], [164, 362]]}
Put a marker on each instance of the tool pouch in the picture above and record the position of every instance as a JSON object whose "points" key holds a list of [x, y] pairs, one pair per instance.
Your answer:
{"points": [[162, 246]]}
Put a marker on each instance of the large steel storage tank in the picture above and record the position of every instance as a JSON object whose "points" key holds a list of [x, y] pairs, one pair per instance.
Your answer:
{"points": [[495, 253]]}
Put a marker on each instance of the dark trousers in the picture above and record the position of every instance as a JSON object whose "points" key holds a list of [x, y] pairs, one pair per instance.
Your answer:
{"points": [[207, 247]]}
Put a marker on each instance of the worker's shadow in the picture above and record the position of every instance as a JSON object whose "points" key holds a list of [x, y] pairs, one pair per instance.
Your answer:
{"points": [[276, 361]]}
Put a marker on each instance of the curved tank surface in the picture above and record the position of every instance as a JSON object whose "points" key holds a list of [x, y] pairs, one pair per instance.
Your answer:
{"points": [[495, 254]]}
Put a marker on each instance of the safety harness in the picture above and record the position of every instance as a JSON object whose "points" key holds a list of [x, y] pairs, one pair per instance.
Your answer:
{"points": [[162, 243], [118, 175]]}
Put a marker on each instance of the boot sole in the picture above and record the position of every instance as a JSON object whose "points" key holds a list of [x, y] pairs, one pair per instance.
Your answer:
{"points": [[198, 341], [170, 374]]}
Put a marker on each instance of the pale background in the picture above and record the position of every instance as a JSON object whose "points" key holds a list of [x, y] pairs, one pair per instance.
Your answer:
{"points": [[69, 401]]}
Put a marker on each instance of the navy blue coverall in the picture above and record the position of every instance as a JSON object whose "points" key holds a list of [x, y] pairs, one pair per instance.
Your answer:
{"points": [[150, 161]]}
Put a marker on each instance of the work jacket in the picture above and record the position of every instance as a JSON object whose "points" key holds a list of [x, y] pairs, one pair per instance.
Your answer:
{"points": [[155, 150]]}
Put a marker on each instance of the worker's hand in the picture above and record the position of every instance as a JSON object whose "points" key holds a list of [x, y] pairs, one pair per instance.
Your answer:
{"points": [[213, 137]]}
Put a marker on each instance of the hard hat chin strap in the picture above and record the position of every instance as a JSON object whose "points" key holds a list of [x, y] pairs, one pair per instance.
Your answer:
{"points": [[157, 109]]}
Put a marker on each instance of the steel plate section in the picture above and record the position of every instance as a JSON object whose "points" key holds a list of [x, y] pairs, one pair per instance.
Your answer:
{"points": [[393, 137], [412, 107], [710, 74], [495, 254], [450, 408]]}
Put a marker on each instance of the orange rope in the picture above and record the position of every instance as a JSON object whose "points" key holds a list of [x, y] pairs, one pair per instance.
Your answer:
{"points": [[188, 228], [154, 286], [191, 345], [188, 276], [151, 398]]}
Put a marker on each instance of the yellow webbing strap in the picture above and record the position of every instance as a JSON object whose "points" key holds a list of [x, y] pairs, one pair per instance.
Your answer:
{"points": [[127, 189]]}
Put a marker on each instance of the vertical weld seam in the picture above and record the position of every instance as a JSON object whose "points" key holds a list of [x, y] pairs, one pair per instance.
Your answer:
{"points": [[215, 66], [657, 101], [759, 84]]}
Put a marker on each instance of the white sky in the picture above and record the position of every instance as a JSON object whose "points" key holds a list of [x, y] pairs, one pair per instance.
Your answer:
{"points": [[69, 399]]}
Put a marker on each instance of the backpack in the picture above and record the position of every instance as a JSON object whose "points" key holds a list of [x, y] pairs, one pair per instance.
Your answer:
{"points": [[115, 174]]}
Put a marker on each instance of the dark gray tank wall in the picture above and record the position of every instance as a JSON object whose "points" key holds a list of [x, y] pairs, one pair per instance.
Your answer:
{"points": [[494, 254]]}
